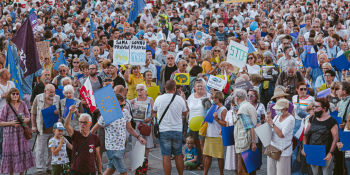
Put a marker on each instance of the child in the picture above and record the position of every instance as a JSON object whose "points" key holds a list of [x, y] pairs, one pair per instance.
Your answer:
{"points": [[58, 145], [191, 154]]}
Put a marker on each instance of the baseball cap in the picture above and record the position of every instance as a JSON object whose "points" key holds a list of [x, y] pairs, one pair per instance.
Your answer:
{"points": [[58, 126]]}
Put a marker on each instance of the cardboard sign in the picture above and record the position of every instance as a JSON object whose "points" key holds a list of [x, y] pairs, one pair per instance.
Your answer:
{"points": [[43, 49], [237, 54], [182, 78], [216, 83], [121, 50], [137, 52]]}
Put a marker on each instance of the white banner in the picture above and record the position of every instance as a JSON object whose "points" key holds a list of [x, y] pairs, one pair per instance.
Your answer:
{"points": [[237, 54], [137, 52], [216, 83], [121, 51]]}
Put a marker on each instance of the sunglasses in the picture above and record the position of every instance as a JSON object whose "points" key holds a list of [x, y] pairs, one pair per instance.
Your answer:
{"points": [[250, 95], [86, 48], [75, 62], [250, 58], [122, 105], [216, 50], [62, 70], [15, 94], [303, 89]]}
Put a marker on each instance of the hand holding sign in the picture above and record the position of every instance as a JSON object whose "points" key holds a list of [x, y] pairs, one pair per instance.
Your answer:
{"points": [[182, 78]]}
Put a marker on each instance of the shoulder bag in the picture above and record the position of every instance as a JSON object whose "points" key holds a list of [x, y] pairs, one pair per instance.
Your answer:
{"points": [[156, 126], [27, 131]]}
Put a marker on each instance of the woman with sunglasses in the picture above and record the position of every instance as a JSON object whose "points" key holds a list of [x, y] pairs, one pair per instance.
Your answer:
{"points": [[251, 67], [16, 154]]}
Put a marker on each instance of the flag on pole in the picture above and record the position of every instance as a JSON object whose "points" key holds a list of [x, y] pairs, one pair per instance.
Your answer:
{"points": [[60, 60], [92, 28], [251, 48], [87, 93], [11, 66], [300, 133], [136, 7], [25, 42]]}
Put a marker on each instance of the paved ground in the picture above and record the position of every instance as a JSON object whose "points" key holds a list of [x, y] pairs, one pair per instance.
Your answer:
{"points": [[155, 164]]}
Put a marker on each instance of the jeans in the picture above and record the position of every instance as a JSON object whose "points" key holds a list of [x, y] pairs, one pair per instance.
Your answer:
{"points": [[116, 160], [171, 143]]}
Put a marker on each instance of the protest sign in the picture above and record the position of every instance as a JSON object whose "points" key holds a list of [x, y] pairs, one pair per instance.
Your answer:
{"points": [[137, 156], [182, 78], [344, 137], [315, 154], [121, 50], [227, 135], [137, 52], [49, 116], [246, 85], [251, 159], [264, 133], [237, 54], [216, 83], [43, 49]]}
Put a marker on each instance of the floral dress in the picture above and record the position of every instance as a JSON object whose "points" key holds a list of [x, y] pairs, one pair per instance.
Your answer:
{"points": [[16, 153]]}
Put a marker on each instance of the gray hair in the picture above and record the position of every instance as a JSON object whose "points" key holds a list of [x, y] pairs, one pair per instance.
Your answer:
{"points": [[66, 78], [63, 65], [268, 54], [68, 88], [141, 85], [83, 115], [291, 64], [240, 94]]}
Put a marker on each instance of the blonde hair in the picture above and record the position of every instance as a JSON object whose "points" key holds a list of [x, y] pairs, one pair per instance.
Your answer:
{"points": [[190, 139]]}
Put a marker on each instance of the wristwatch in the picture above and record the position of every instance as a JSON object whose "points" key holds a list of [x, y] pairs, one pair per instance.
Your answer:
{"points": [[272, 125]]}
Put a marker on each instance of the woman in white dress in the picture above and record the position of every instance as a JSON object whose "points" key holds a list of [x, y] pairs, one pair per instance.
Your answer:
{"points": [[230, 157]]}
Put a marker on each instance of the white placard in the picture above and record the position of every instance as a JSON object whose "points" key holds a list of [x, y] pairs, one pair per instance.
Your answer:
{"points": [[137, 52], [121, 51], [137, 155], [264, 132], [237, 54], [216, 83]]}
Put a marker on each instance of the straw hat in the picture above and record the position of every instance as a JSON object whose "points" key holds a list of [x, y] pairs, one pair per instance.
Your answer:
{"points": [[279, 92], [281, 104]]}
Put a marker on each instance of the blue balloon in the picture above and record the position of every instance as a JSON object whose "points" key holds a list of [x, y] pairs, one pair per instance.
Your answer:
{"points": [[253, 25]]}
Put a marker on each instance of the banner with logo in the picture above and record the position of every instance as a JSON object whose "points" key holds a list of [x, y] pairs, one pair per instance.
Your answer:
{"points": [[216, 83], [182, 78]]}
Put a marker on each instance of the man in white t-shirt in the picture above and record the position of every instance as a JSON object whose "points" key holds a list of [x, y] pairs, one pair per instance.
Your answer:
{"points": [[171, 126]]}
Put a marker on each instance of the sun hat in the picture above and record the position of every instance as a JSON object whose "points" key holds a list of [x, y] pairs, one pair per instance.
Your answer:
{"points": [[281, 104], [279, 92]]}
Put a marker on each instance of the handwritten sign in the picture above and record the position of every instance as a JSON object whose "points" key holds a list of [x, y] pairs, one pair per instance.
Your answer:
{"points": [[138, 52], [236, 1], [216, 83], [237, 54], [182, 78], [121, 50], [43, 49]]}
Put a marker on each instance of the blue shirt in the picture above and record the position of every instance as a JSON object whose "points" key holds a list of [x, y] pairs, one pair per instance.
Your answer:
{"points": [[189, 154]]}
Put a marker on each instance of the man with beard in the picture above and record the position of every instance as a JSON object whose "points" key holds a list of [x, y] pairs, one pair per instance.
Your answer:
{"points": [[322, 130], [96, 81], [42, 101], [290, 78], [45, 79]]}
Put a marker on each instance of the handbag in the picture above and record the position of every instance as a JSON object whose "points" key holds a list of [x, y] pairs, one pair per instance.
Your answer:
{"points": [[203, 129], [144, 129], [27, 131], [274, 152], [156, 125]]}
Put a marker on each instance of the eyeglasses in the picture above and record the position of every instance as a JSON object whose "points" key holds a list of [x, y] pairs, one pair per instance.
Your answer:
{"points": [[139, 89], [184, 65], [122, 105], [84, 123], [250, 58], [86, 48], [216, 50], [303, 89], [62, 71], [15, 94], [75, 62], [250, 95], [221, 26], [170, 58], [92, 68]]}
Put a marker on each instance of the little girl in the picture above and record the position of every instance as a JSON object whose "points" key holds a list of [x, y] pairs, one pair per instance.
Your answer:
{"points": [[191, 154]]}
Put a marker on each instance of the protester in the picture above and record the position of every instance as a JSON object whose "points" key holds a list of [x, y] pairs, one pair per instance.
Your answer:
{"points": [[282, 133], [16, 154], [42, 101], [171, 126], [132, 80]]}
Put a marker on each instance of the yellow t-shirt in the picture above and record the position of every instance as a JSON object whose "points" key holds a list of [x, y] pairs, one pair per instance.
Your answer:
{"points": [[132, 86]]}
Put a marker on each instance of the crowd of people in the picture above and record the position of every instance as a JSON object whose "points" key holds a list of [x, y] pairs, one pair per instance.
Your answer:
{"points": [[282, 89]]}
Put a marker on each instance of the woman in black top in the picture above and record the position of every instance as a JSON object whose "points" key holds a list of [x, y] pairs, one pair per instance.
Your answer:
{"points": [[322, 130]]}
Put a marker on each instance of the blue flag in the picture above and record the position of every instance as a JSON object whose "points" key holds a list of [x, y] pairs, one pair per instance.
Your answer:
{"points": [[251, 48], [136, 7], [209, 117], [11, 66], [341, 63], [60, 60], [49, 117], [69, 102], [295, 34], [310, 60], [92, 28], [108, 104], [59, 92]]}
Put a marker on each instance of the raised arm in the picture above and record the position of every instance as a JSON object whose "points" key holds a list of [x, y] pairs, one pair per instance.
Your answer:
{"points": [[67, 125]]}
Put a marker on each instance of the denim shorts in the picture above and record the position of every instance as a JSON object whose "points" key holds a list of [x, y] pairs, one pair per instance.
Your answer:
{"points": [[116, 160], [171, 143]]}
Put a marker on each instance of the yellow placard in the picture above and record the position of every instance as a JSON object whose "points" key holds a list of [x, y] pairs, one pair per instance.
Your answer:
{"points": [[235, 1], [153, 92], [223, 76], [182, 78]]}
